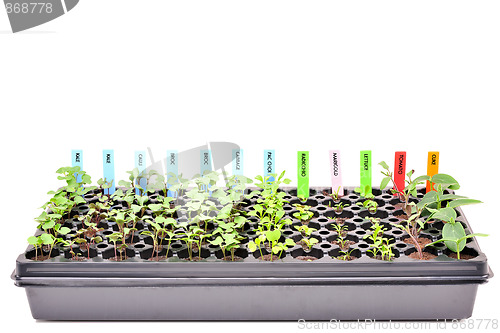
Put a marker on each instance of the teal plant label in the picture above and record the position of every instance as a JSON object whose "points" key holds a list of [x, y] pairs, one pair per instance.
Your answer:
{"points": [[303, 174], [205, 162], [172, 168], [77, 160], [140, 164], [237, 159], [108, 163], [336, 173], [269, 163], [366, 171]]}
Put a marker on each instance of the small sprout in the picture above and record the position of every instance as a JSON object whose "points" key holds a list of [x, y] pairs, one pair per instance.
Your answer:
{"points": [[369, 204], [340, 207], [309, 242], [304, 214]]}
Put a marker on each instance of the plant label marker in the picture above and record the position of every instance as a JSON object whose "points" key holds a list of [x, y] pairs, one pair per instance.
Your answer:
{"points": [[108, 163], [336, 173], [205, 162], [172, 169], [269, 163], [366, 170], [432, 167], [140, 164], [399, 170], [303, 174], [237, 159], [77, 160]]}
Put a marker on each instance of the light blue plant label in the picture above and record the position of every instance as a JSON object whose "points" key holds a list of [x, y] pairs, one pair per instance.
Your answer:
{"points": [[237, 162], [108, 163], [140, 164], [205, 161], [269, 163], [77, 160], [172, 170]]}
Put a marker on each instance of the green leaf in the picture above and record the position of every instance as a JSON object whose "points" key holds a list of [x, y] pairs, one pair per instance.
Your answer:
{"points": [[385, 181], [252, 246], [462, 202], [446, 214], [47, 239], [445, 180], [33, 240], [384, 165], [273, 235], [454, 232], [64, 230]]}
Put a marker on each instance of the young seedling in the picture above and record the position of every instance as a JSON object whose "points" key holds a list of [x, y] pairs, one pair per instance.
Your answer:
{"points": [[369, 204], [305, 230], [309, 242], [381, 245], [365, 192], [345, 255], [340, 229], [303, 214], [458, 243], [339, 207], [272, 237], [335, 195]]}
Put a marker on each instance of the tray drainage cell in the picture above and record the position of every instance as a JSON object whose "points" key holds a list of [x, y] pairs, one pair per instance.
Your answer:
{"points": [[467, 253], [329, 202], [239, 254], [311, 224], [307, 255], [346, 213], [147, 252], [195, 255], [293, 192], [427, 254], [345, 255], [381, 213], [41, 255], [120, 255], [309, 202]]}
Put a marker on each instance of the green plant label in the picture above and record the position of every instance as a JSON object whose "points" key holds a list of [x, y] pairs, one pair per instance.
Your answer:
{"points": [[269, 163], [336, 174], [237, 159], [108, 162], [303, 174], [77, 160], [140, 164], [172, 168], [366, 171]]}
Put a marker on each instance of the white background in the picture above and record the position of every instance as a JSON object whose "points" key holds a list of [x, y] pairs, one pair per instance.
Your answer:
{"points": [[284, 75]]}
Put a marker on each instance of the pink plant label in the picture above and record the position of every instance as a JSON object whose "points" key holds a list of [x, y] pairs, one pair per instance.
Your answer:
{"points": [[335, 172], [399, 170]]}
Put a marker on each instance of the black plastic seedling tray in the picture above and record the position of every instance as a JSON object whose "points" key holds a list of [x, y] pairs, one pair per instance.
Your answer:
{"points": [[251, 289]]}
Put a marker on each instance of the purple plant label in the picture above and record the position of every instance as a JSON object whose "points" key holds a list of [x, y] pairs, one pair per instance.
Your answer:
{"points": [[336, 173], [172, 168], [269, 163], [140, 164], [77, 160], [108, 164], [237, 162]]}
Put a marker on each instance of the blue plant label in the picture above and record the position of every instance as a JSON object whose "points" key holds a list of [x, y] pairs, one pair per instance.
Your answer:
{"points": [[108, 163], [269, 163], [172, 168], [77, 160], [237, 159], [140, 164]]}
